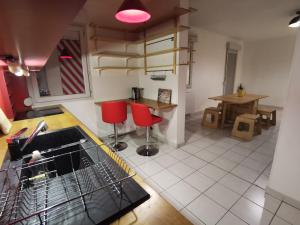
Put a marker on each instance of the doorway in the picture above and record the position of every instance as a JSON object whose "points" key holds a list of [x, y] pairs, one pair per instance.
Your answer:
{"points": [[230, 70]]}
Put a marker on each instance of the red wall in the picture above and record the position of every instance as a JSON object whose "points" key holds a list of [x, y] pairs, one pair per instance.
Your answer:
{"points": [[5, 103], [18, 88]]}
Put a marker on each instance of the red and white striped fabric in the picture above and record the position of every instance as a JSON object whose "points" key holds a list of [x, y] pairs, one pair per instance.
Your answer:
{"points": [[71, 69]]}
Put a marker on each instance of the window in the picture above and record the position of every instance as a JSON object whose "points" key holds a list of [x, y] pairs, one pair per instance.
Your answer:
{"points": [[65, 75]]}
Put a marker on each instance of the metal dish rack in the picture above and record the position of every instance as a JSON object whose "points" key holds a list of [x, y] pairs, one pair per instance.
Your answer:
{"points": [[35, 193]]}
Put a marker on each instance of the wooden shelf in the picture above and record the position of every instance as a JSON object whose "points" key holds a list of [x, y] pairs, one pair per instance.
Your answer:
{"points": [[166, 51], [135, 55], [118, 54], [163, 33], [169, 65], [100, 68], [138, 40], [112, 39]]}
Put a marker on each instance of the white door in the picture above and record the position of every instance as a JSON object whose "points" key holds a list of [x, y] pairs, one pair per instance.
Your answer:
{"points": [[230, 69]]}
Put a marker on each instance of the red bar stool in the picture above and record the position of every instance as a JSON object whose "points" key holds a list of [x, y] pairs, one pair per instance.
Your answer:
{"points": [[143, 118], [115, 112]]}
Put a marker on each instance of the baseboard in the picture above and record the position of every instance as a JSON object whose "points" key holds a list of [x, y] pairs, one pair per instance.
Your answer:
{"points": [[163, 139], [194, 115], [273, 106], [282, 197]]}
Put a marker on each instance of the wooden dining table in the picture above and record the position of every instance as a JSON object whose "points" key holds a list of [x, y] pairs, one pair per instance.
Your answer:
{"points": [[249, 103]]}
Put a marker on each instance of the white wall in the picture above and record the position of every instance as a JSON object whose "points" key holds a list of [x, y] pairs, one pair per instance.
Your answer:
{"points": [[209, 68], [266, 67], [285, 171], [53, 75], [111, 84], [173, 126], [84, 110]]}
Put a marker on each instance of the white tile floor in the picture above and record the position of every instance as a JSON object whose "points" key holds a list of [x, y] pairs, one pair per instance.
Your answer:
{"points": [[215, 179]]}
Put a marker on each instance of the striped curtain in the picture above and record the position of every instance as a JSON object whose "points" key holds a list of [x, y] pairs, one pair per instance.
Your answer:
{"points": [[71, 69]]}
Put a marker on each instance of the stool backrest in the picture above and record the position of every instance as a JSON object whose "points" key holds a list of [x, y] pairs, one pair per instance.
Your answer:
{"points": [[114, 111], [141, 115]]}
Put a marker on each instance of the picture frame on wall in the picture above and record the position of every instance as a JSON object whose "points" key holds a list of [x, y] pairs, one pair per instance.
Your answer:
{"points": [[164, 95]]}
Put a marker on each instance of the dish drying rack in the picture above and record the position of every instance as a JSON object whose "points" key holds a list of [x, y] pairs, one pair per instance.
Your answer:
{"points": [[36, 193]]}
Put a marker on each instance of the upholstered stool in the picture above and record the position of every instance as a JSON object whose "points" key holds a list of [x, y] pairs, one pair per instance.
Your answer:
{"points": [[267, 116], [143, 118], [211, 117], [245, 126], [115, 112]]}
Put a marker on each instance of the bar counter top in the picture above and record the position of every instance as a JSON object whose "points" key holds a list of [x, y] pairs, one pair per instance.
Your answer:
{"points": [[153, 104], [154, 211]]}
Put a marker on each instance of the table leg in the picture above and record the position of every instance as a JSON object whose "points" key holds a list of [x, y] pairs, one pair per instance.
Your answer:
{"points": [[254, 107], [224, 114]]}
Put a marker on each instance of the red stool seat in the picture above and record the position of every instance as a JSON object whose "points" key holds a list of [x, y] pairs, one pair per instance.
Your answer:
{"points": [[143, 118], [156, 119], [115, 112]]}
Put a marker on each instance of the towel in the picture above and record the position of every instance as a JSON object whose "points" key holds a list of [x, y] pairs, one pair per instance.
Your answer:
{"points": [[5, 124]]}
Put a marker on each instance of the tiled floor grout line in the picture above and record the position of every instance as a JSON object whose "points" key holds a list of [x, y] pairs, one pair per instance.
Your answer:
{"points": [[240, 199], [228, 210], [211, 163], [249, 199], [241, 196], [282, 201], [181, 160], [276, 213]]}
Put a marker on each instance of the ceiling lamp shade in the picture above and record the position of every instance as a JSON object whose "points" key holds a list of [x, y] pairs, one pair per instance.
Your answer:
{"points": [[18, 69], [132, 11], [65, 54], [295, 22]]}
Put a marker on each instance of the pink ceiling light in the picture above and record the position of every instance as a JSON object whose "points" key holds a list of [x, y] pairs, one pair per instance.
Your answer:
{"points": [[65, 54], [132, 11]]}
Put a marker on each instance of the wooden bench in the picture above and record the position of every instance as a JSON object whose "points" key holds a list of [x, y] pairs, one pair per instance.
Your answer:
{"points": [[215, 116], [269, 114], [245, 126]]}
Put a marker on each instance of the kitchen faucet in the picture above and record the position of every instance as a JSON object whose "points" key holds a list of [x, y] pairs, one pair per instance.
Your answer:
{"points": [[42, 126]]}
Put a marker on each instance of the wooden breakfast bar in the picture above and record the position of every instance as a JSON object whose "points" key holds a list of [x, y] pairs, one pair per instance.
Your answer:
{"points": [[247, 103], [153, 104]]}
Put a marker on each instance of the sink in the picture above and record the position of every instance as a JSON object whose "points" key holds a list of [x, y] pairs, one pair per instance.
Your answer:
{"points": [[76, 182], [53, 139], [64, 146]]}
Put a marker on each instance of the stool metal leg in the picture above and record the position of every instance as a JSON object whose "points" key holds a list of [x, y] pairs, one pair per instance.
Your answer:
{"points": [[147, 149], [118, 146]]}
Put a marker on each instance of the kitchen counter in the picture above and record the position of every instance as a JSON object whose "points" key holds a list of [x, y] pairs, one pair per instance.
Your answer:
{"points": [[154, 211], [153, 104]]}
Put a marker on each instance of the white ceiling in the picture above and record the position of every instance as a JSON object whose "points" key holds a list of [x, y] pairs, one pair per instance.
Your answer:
{"points": [[245, 19]]}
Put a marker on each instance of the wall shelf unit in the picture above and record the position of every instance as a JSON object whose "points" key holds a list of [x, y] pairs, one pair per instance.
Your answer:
{"points": [[115, 54], [142, 35], [100, 68], [127, 68], [163, 33], [166, 51], [139, 39]]}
